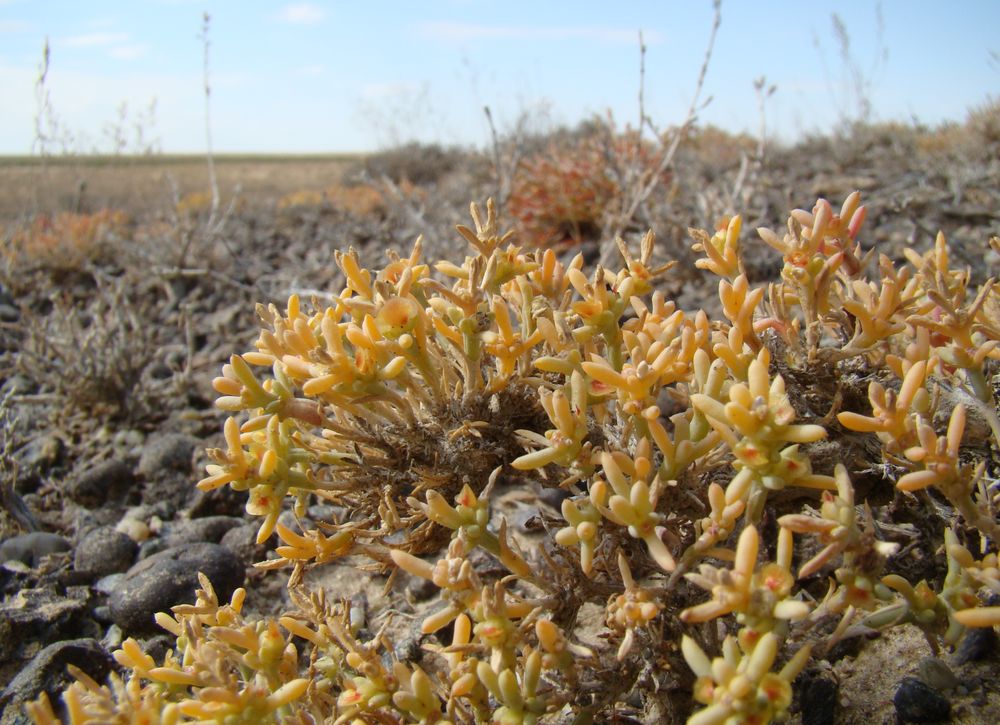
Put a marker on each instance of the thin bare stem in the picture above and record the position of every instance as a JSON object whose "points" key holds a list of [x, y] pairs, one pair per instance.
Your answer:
{"points": [[42, 108], [642, 83], [206, 80], [648, 182], [750, 167]]}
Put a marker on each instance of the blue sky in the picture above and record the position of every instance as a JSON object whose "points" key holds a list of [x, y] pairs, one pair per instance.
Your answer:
{"points": [[355, 75]]}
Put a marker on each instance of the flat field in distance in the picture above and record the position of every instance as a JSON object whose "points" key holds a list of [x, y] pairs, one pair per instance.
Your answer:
{"points": [[145, 184]]}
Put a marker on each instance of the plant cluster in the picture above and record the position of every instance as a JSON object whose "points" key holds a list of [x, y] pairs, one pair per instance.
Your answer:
{"points": [[356, 200], [359, 200], [64, 241], [416, 163], [95, 355], [193, 206], [420, 394], [561, 195]]}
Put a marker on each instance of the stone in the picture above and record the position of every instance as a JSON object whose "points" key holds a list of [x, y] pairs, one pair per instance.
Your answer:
{"points": [[170, 578], [421, 590], [327, 513], [937, 674], [104, 551], [109, 480], [242, 540], [158, 501], [33, 547], [37, 615], [135, 529], [977, 644], [158, 645], [47, 673], [553, 497], [167, 452], [209, 528], [223, 501], [916, 701], [35, 459], [102, 613], [150, 547], [818, 700], [148, 512], [173, 488], [107, 584]]}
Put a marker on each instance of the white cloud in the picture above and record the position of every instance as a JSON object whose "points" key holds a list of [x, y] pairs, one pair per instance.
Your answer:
{"points": [[302, 14], [119, 46], [311, 71], [13, 26], [128, 52], [94, 40], [468, 31]]}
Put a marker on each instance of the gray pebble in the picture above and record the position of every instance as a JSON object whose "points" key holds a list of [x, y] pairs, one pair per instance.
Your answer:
{"points": [[86, 520], [326, 513], [553, 497], [937, 674], [146, 511], [421, 589], [128, 439], [222, 501], [102, 614], [169, 578], [167, 452], [35, 616], [107, 584], [41, 452], [105, 481], [35, 459], [289, 520], [104, 551], [242, 541], [31, 548], [47, 673], [158, 645], [916, 701], [150, 547], [209, 528], [977, 644], [174, 488]]}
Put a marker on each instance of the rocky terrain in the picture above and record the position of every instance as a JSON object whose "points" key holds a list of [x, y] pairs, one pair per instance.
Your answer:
{"points": [[115, 317]]}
